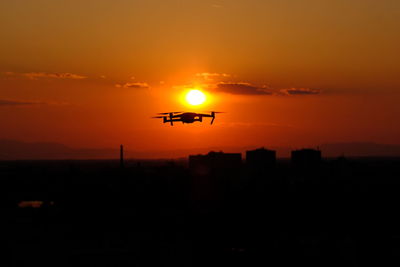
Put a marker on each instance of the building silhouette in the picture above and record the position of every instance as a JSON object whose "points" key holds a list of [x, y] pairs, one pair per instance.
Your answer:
{"points": [[212, 177], [214, 163], [260, 159], [306, 157]]}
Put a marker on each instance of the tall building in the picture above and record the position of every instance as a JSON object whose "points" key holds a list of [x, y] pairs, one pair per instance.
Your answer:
{"points": [[260, 158], [306, 157]]}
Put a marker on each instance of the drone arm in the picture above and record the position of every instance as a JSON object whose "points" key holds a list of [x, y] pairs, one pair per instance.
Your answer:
{"points": [[205, 115], [170, 118]]}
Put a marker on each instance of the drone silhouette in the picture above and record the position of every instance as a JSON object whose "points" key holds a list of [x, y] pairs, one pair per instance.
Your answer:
{"points": [[185, 117]]}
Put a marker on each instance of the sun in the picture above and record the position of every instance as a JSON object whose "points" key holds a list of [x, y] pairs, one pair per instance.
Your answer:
{"points": [[195, 97]]}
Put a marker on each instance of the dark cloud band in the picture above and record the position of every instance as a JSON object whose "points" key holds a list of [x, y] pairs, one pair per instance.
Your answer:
{"points": [[300, 91], [241, 89], [8, 102]]}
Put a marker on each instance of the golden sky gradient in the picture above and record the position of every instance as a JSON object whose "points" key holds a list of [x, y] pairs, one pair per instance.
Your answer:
{"points": [[288, 72]]}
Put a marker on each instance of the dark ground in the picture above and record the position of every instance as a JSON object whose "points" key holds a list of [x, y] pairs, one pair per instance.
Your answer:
{"points": [[93, 213]]}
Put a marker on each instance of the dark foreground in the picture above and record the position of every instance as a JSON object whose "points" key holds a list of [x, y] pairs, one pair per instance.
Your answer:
{"points": [[93, 213]]}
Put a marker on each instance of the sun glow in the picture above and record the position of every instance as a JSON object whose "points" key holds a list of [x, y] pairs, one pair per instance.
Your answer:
{"points": [[195, 97]]}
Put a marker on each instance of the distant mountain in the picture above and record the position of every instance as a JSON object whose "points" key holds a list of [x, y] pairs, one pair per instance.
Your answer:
{"points": [[360, 150], [17, 150]]}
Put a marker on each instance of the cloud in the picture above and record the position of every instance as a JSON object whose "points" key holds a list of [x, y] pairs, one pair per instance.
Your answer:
{"points": [[38, 75], [9, 73], [211, 76], [226, 83], [241, 88], [133, 85], [9, 102], [65, 75], [300, 91], [29, 103], [252, 124]]}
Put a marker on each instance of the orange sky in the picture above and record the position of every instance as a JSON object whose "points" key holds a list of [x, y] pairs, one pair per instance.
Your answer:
{"points": [[288, 73]]}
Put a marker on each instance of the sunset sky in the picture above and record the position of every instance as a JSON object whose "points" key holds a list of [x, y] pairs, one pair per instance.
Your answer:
{"points": [[286, 72]]}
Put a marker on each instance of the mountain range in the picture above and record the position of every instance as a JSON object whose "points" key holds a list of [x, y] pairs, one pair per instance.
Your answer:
{"points": [[17, 150]]}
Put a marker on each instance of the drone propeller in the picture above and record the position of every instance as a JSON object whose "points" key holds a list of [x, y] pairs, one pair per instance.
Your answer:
{"points": [[167, 113], [215, 112]]}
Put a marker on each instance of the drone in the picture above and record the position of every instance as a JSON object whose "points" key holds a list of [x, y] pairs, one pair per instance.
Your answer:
{"points": [[185, 117]]}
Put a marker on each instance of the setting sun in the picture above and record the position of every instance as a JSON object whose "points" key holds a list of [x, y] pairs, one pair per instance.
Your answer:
{"points": [[195, 97]]}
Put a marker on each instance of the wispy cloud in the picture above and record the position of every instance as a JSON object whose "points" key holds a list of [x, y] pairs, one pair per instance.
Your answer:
{"points": [[300, 91], [241, 88], [40, 75], [225, 83], [252, 124], [208, 76], [10, 102], [29, 103], [138, 85], [65, 75], [8, 73]]}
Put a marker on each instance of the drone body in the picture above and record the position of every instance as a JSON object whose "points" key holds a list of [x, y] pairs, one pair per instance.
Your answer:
{"points": [[185, 117]]}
